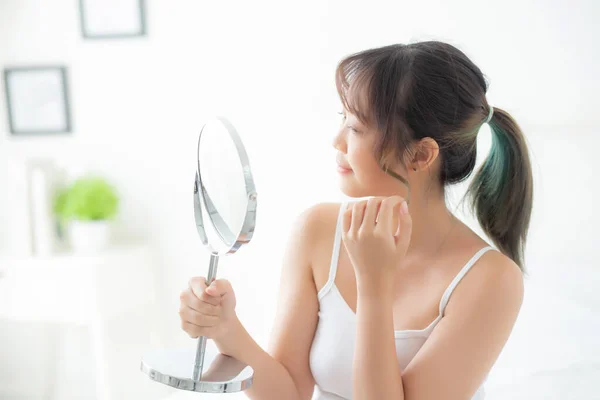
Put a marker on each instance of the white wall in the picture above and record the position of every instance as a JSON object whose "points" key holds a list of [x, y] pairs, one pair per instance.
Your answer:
{"points": [[138, 105]]}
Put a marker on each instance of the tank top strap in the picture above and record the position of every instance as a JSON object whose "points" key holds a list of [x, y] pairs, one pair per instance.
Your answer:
{"points": [[459, 276], [337, 241]]}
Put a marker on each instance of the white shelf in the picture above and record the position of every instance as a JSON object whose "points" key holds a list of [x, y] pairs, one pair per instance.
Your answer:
{"points": [[80, 289], [7, 389], [8, 261], [76, 288]]}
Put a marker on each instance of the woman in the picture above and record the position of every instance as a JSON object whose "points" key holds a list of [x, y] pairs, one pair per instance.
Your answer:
{"points": [[414, 305]]}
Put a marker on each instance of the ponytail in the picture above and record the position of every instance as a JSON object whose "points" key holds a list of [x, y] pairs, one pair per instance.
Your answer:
{"points": [[501, 192]]}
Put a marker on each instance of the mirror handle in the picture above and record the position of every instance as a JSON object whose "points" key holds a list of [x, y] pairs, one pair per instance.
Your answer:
{"points": [[201, 347]]}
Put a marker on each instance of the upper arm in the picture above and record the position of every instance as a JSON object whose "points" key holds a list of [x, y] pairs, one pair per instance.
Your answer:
{"points": [[297, 306], [463, 347]]}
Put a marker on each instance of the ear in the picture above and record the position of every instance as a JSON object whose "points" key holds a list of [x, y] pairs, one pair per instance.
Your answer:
{"points": [[425, 152]]}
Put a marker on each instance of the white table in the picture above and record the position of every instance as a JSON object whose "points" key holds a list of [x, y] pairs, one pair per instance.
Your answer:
{"points": [[81, 289]]}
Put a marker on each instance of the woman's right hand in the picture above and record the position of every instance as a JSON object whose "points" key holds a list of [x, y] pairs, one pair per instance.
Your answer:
{"points": [[208, 310]]}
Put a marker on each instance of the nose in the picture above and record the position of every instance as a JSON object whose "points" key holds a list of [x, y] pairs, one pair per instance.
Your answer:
{"points": [[339, 141]]}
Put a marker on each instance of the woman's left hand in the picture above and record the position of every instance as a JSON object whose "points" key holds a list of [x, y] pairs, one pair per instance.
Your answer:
{"points": [[376, 233]]}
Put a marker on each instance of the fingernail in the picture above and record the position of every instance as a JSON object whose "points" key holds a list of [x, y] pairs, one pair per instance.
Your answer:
{"points": [[404, 208]]}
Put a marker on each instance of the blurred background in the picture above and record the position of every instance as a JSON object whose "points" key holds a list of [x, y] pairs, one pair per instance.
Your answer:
{"points": [[105, 99]]}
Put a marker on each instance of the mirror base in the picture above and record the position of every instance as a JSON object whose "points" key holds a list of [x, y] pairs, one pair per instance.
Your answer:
{"points": [[174, 367]]}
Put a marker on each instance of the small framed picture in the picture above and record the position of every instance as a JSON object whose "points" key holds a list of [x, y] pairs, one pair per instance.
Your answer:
{"points": [[37, 100], [112, 19]]}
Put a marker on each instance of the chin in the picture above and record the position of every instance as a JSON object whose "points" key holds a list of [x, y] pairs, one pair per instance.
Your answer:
{"points": [[351, 188]]}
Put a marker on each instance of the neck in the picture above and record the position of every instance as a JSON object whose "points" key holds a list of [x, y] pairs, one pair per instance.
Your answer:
{"points": [[432, 222]]}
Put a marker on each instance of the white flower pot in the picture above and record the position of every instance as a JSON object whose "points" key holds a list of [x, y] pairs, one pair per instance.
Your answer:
{"points": [[89, 236]]}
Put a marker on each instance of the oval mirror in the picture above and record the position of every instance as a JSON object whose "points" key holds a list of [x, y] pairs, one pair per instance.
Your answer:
{"points": [[225, 217]]}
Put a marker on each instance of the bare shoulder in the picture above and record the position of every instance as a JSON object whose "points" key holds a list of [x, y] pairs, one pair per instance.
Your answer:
{"points": [[319, 212], [316, 222], [297, 306], [464, 346], [495, 282], [312, 235]]}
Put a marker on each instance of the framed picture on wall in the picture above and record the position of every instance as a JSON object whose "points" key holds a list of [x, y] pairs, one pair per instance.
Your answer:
{"points": [[112, 19], [37, 100]]}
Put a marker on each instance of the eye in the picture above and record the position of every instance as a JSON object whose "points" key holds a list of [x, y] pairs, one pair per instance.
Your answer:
{"points": [[353, 129]]}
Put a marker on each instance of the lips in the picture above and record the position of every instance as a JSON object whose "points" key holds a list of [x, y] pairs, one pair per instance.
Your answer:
{"points": [[342, 164]]}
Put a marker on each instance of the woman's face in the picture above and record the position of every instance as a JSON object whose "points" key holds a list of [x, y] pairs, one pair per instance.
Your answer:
{"points": [[360, 174]]}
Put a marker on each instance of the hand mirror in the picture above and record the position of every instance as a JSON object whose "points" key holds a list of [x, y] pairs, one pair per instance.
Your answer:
{"points": [[225, 215]]}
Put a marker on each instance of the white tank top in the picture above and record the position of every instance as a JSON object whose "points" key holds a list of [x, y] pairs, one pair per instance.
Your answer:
{"points": [[332, 349]]}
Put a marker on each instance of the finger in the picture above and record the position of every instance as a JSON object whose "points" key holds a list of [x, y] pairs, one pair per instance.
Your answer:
{"points": [[387, 221], [210, 299], [396, 219], [195, 331], [188, 299], [403, 239], [190, 329], [371, 212], [219, 288], [198, 285], [346, 220], [198, 319], [358, 211]]}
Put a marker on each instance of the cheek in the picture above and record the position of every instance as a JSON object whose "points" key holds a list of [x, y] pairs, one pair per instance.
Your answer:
{"points": [[363, 163], [367, 179]]}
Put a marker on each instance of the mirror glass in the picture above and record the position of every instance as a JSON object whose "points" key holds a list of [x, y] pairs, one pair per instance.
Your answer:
{"points": [[225, 186]]}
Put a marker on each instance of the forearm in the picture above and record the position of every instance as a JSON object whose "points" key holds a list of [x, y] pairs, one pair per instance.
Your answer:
{"points": [[271, 379], [377, 374]]}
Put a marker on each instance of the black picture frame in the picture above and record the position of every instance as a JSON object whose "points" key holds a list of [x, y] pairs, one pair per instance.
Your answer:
{"points": [[14, 100], [84, 14]]}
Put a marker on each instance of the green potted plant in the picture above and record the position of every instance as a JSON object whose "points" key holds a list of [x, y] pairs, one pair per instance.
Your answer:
{"points": [[87, 208]]}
